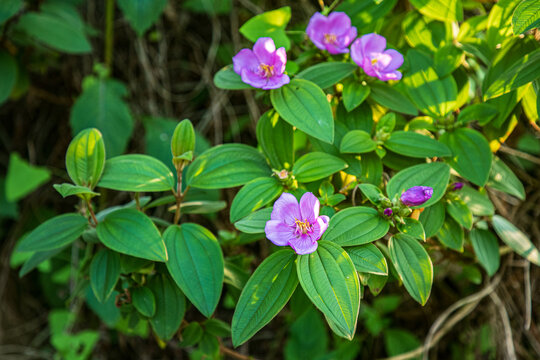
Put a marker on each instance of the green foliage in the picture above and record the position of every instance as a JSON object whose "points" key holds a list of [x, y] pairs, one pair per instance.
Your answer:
{"points": [[170, 306], [8, 72], [142, 14], [85, 158], [269, 24], [327, 74], [254, 195], [23, 178], [104, 273], [526, 16], [356, 226]]}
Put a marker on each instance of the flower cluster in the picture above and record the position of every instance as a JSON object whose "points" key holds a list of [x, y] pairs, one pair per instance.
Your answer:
{"points": [[264, 66]]}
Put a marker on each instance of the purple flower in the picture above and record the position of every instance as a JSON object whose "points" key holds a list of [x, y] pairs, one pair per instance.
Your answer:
{"points": [[417, 195], [369, 53], [388, 212], [263, 66], [299, 226], [333, 33], [457, 186]]}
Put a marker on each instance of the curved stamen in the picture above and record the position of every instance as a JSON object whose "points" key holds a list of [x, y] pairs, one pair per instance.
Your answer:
{"points": [[302, 227]]}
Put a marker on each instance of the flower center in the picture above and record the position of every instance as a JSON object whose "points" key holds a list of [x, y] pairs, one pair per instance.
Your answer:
{"points": [[302, 227], [374, 61], [330, 39], [267, 70]]}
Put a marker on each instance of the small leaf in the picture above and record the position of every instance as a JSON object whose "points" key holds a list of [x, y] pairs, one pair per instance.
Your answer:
{"points": [[368, 259], [317, 165], [413, 228], [170, 306], [503, 179], [54, 233], [392, 98], [410, 143], [227, 79], [276, 139], [265, 294], [486, 248], [85, 158], [66, 190], [451, 234], [23, 178], [457, 209], [516, 239], [478, 202], [202, 207], [131, 232], [432, 219], [144, 301], [357, 142], [356, 226], [254, 195], [372, 193], [354, 94], [304, 105], [442, 10], [142, 14], [413, 264], [269, 24], [104, 273], [327, 74], [255, 222], [8, 69], [482, 112]]}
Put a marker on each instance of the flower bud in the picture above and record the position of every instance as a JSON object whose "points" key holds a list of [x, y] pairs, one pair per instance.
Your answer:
{"points": [[457, 186], [388, 212], [183, 143], [417, 195]]}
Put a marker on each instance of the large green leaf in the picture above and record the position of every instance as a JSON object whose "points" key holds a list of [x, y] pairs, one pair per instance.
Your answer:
{"points": [[142, 14], [254, 195], [265, 294], [227, 79], [317, 165], [131, 232], [170, 306], [225, 166], [451, 234], [392, 98], [255, 222], [356, 226], [327, 74], [410, 143], [432, 219], [329, 279], [471, 154], [481, 112], [101, 106], [276, 139], [104, 273], [23, 178], [8, 73], [499, 24], [478, 202], [54, 233], [503, 179], [413, 265], [304, 105], [486, 248], [269, 24], [516, 239], [85, 158], [523, 71], [526, 16], [136, 172], [357, 142], [368, 259], [443, 10], [435, 175], [196, 264]]}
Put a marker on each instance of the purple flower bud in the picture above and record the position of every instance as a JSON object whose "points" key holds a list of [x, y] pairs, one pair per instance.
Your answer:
{"points": [[263, 66], [369, 53], [417, 195], [333, 33], [388, 212], [457, 186]]}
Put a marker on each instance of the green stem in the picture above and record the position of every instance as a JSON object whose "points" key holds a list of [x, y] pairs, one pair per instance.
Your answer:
{"points": [[109, 33]]}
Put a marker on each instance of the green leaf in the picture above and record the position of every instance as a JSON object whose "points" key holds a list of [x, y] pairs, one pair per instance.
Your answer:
{"points": [[516, 239], [368, 259], [327, 74], [486, 248], [503, 179], [457, 209], [451, 234], [447, 59], [410, 143], [227, 79], [372, 193], [412, 227], [354, 94], [66, 190], [478, 202], [255, 222], [8, 8], [196, 264], [372, 168], [142, 14], [317, 165], [104, 273], [23, 178], [526, 16], [202, 206], [300, 346], [482, 112], [170, 306], [54, 233], [329, 279], [269, 24], [226, 166], [101, 106], [54, 31], [304, 105], [192, 334], [265, 294], [8, 72], [523, 71], [471, 154], [85, 158], [37, 259], [254, 195], [435, 175], [432, 219], [356, 226], [413, 265], [131, 232], [443, 10], [398, 342], [136, 172], [143, 300], [276, 139], [357, 142], [392, 98]]}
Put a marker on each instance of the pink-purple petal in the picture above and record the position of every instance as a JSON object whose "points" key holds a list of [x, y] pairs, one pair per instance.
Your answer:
{"points": [[245, 59], [319, 227], [372, 43], [253, 79], [279, 233], [276, 82], [393, 75], [396, 60], [309, 207], [338, 23], [286, 209], [280, 60], [264, 48], [303, 245]]}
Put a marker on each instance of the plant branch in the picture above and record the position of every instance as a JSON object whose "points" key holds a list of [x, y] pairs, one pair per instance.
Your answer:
{"points": [[109, 34], [91, 211], [226, 351]]}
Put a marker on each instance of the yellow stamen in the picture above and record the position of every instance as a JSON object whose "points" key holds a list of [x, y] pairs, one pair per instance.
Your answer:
{"points": [[268, 70], [304, 226], [330, 38], [374, 61]]}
